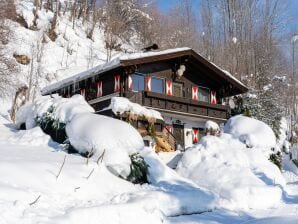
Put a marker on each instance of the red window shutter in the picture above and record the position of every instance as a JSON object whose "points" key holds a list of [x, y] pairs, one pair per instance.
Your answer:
{"points": [[213, 97], [195, 93], [130, 82], [99, 89], [83, 92], [117, 83], [169, 128], [195, 135], [148, 83], [169, 87]]}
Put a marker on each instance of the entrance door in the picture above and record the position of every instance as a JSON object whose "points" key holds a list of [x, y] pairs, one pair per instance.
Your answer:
{"points": [[178, 132]]}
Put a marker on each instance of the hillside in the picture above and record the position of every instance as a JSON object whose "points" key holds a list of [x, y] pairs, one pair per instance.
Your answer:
{"points": [[45, 53]]}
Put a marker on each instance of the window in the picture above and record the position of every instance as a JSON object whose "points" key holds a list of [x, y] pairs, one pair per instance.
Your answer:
{"points": [[177, 89], [157, 85], [137, 82], [204, 94]]}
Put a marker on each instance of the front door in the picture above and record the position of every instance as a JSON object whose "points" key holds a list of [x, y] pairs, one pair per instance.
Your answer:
{"points": [[178, 132]]}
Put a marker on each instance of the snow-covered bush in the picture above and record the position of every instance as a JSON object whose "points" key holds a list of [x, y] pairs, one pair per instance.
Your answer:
{"points": [[52, 127], [72, 119], [252, 132], [241, 177], [92, 133], [212, 128], [138, 169]]}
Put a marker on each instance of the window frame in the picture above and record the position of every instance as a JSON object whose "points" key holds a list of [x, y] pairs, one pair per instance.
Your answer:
{"points": [[144, 81], [163, 84], [181, 90], [209, 93]]}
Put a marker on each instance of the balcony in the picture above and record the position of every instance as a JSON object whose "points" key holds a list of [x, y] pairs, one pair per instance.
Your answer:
{"points": [[179, 105]]}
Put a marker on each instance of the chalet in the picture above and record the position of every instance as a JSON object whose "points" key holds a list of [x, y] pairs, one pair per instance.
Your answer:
{"points": [[183, 86]]}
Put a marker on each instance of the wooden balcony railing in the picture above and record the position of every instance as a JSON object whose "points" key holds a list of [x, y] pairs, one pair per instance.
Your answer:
{"points": [[178, 104]]}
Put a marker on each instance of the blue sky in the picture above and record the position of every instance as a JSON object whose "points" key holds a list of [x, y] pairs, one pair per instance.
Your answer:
{"points": [[293, 9]]}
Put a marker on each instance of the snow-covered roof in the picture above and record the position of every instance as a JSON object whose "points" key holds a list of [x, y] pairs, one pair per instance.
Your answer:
{"points": [[114, 63], [121, 58]]}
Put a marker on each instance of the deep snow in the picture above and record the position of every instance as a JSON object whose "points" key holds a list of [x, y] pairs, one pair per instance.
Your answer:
{"points": [[30, 163], [84, 192]]}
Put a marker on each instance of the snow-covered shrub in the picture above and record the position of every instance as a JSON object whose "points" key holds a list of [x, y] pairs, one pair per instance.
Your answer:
{"points": [[276, 158], [138, 169], [252, 132], [72, 120], [212, 128], [241, 177], [92, 133], [52, 127]]}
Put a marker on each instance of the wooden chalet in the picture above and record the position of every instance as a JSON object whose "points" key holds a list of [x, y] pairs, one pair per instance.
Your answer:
{"points": [[183, 86]]}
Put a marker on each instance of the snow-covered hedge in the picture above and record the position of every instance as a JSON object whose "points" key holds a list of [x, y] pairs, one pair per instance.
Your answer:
{"points": [[72, 119]]}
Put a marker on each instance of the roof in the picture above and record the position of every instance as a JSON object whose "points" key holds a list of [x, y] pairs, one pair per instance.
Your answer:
{"points": [[124, 60]]}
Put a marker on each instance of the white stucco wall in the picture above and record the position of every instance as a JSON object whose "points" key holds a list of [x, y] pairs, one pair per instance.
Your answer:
{"points": [[188, 122]]}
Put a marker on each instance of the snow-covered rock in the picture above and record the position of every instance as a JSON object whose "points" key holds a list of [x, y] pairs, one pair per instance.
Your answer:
{"points": [[241, 177], [252, 132]]}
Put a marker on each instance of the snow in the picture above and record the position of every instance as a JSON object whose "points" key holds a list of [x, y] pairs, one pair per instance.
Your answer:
{"points": [[220, 161], [33, 191], [171, 159], [32, 137], [116, 62], [234, 39], [282, 142], [121, 105], [100, 134], [113, 63], [294, 151], [88, 192], [211, 125], [64, 109], [252, 132]]}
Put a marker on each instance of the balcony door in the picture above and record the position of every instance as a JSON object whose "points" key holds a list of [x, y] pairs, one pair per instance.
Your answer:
{"points": [[178, 132]]}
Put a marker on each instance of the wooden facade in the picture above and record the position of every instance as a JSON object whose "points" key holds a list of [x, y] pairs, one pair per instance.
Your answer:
{"points": [[152, 81]]}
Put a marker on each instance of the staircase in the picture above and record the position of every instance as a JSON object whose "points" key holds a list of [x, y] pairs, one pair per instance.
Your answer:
{"points": [[165, 141]]}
